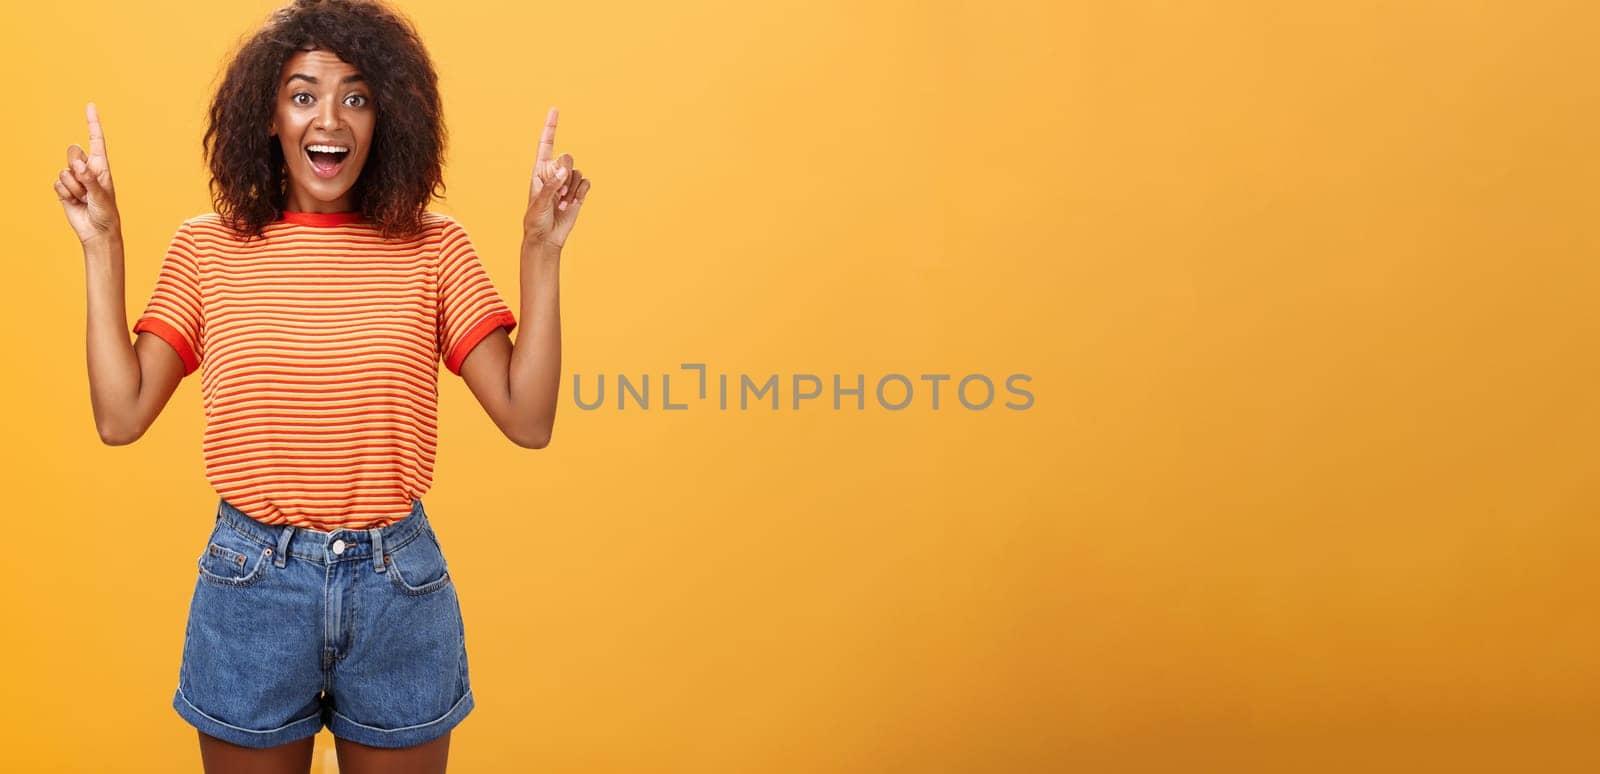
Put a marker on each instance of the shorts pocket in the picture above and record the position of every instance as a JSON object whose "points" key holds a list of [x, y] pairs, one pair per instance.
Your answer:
{"points": [[418, 567], [231, 559]]}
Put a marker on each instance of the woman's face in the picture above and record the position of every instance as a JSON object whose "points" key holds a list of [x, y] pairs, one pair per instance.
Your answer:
{"points": [[322, 103]]}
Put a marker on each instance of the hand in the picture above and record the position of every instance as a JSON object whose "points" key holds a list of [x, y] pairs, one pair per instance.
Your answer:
{"points": [[85, 188], [555, 195]]}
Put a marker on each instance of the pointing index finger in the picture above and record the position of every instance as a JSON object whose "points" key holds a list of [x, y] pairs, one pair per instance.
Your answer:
{"points": [[97, 137], [547, 142]]}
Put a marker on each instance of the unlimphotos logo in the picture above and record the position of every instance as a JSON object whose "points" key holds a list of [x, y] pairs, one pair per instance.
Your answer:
{"points": [[975, 392]]}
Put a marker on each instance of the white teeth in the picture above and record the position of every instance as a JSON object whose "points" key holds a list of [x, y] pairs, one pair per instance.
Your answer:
{"points": [[328, 148]]}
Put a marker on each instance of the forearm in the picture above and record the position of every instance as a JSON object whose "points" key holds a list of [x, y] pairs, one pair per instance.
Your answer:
{"points": [[535, 378], [113, 365]]}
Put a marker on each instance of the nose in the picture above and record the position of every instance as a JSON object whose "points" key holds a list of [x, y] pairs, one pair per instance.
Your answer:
{"points": [[327, 117]]}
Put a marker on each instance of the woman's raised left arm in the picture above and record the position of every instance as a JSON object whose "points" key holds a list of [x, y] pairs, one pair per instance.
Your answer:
{"points": [[519, 384]]}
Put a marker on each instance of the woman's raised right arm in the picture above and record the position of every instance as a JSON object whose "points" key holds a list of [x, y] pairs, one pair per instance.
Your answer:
{"points": [[129, 383]]}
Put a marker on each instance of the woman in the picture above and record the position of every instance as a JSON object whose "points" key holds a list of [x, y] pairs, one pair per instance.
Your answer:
{"points": [[319, 299]]}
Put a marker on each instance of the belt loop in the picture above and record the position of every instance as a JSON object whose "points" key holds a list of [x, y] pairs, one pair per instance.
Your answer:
{"points": [[283, 545], [377, 549]]}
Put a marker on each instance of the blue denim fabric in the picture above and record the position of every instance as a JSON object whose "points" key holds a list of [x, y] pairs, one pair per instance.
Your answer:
{"points": [[290, 629]]}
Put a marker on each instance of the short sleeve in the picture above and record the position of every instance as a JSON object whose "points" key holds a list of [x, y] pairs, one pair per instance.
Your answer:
{"points": [[469, 306], [174, 312]]}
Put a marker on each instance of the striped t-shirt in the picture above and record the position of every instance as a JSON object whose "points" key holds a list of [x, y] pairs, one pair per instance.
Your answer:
{"points": [[319, 349]]}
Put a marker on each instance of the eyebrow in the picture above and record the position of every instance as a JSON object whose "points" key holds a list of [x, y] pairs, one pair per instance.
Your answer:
{"points": [[303, 76]]}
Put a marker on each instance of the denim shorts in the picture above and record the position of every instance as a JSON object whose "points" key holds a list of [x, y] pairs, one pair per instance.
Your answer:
{"points": [[291, 629]]}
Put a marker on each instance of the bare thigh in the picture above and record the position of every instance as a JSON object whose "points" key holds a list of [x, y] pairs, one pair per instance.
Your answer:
{"points": [[220, 757], [425, 758]]}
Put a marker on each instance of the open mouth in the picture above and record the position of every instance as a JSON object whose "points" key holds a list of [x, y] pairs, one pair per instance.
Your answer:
{"points": [[327, 160]]}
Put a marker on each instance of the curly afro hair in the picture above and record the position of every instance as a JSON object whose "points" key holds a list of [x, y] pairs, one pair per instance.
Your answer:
{"points": [[404, 167]]}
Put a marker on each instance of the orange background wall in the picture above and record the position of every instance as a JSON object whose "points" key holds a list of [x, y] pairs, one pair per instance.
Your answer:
{"points": [[1305, 291]]}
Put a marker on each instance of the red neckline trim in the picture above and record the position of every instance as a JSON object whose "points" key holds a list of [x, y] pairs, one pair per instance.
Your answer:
{"points": [[322, 218]]}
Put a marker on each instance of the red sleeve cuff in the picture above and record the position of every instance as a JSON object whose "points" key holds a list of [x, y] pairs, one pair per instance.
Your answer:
{"points": [[170, 335], [452, 362]]}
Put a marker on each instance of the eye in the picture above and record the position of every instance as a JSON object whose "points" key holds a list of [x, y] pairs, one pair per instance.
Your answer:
{"points": [[295, 98], [361, 97]]}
